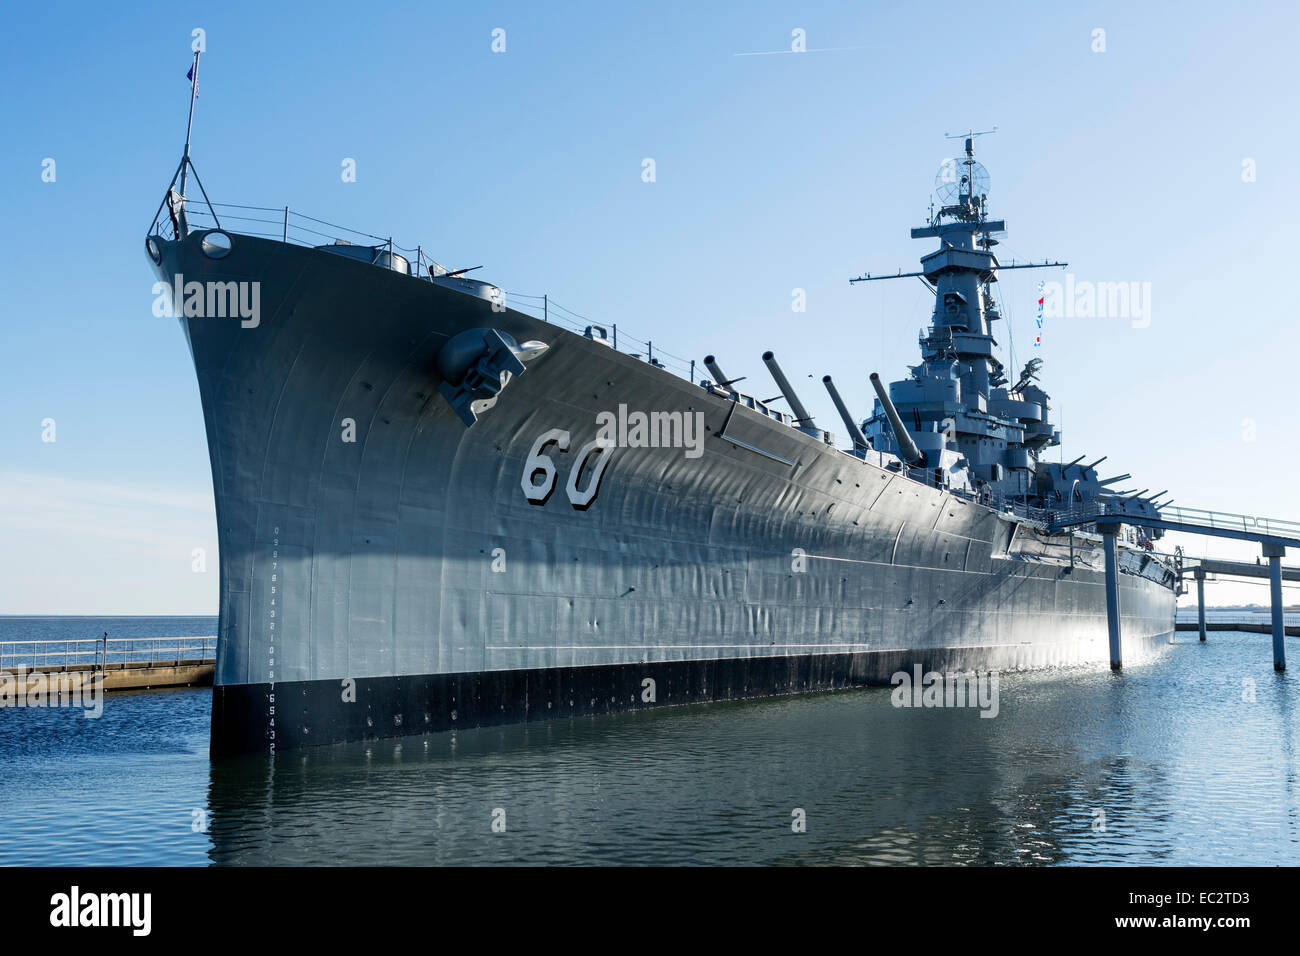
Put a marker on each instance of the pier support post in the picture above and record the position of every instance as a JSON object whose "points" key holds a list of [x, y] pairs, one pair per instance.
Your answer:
{"points": [[1109, 548], [1200, 601], [1274, 553]]}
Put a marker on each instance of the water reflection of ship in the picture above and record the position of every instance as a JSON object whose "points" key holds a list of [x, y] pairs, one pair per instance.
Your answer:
{"points": [[879, 785]]}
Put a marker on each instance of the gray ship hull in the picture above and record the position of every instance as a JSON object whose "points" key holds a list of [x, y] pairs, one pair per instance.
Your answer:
{"points": [[404, 583]]}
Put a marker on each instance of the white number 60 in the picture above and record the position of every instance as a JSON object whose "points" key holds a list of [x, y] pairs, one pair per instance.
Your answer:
{"points": [[581, 500], [540, 471], [539, 466]]}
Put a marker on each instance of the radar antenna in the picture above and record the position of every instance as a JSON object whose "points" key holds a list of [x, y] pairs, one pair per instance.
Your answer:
{"points": [[961, 185], [968, 136]]}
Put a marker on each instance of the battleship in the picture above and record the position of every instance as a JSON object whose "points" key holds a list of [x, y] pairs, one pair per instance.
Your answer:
{"points": [[437, 510]]}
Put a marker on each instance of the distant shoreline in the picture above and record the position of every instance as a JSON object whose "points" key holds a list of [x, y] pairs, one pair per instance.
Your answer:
{"points": [[96, 617]]}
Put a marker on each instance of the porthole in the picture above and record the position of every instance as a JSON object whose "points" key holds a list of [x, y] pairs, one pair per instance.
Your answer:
{"points": [[155, 251], [216, 245]]}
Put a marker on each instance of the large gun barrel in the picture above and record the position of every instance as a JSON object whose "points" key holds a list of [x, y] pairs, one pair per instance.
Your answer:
{"points": [[855, 432], [906, 446], [719, 377], [802, 418]]}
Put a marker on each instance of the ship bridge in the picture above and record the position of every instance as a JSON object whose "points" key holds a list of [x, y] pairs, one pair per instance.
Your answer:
{"points": [[958, 401]]}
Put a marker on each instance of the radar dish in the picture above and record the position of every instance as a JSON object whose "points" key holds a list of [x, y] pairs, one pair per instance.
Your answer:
{"points": [[959, 177]]}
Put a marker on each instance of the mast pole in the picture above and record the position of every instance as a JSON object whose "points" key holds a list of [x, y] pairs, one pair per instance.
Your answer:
{"points": [[189, 128]]}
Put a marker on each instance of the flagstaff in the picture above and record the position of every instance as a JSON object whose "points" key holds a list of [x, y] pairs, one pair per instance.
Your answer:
{"points": [[189, 126]]}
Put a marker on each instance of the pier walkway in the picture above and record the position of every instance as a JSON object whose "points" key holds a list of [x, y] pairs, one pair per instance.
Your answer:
{"points": [[1273, 535], [125, 663], [1250, 627]]}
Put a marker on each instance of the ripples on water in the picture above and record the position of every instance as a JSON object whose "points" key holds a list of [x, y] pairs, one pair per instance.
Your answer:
{"points": [[1185, 771]]}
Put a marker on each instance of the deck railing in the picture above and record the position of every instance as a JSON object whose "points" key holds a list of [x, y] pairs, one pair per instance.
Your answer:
{"points": [[1191, 517], [285, 225], [1188, 615], [1226, 521], [99, 652]]}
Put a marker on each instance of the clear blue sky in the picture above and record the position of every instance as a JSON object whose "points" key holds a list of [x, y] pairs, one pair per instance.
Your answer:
{"points": [[773, 173]]}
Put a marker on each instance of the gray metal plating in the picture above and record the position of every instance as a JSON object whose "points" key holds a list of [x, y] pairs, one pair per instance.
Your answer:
{"points": [[403, 488]]}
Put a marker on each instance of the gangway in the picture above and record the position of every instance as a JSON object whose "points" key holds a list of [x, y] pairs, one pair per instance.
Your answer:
{"points": [[1219, 524]]}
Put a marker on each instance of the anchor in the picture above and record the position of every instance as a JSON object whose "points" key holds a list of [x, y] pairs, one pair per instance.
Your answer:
{"points": [[476, 365]]}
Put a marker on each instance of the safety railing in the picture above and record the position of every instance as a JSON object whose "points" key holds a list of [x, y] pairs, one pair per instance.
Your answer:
{"points": [[1006, 504], [546, 309], [287, 225], [270, 222], [1262, 616], [1191, 517], [99, 652], [1098, 509], [1226, 521]]}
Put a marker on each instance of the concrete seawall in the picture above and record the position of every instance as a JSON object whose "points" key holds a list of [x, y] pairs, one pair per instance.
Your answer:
{"points": [[143, 675], [1292, 630]]}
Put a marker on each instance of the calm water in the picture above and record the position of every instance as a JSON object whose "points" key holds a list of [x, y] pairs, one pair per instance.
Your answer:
{"points": [[1185, 770]]}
